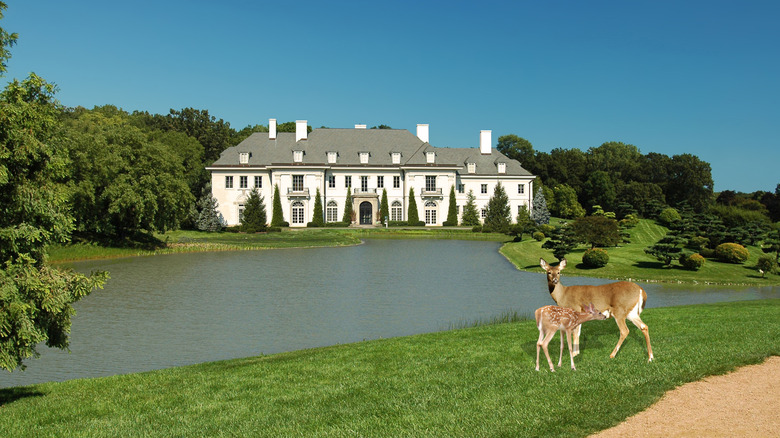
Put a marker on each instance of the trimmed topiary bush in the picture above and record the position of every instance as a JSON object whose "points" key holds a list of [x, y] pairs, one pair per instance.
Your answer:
{"points": [[538, 236], [692, 262], [731, 253], [595, 258], [766, 264], [668, 216]]}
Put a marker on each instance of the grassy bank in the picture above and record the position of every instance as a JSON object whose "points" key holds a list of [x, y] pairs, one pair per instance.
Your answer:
{"points": [[470, 382]]}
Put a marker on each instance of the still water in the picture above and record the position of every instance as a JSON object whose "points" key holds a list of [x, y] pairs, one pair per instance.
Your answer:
{"points": [[165, 311]]}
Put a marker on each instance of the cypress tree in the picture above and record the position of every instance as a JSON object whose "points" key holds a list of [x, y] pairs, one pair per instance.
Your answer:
{"points": [[384, 208], [277, 218], [317, 220], [347, 219], [452, 212], [413, 218], [470, 215], [254, 219]]}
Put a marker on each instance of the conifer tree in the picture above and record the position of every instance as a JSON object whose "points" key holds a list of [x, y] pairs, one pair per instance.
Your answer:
{"points": [[254, 219], [497, 216], [209, 218], [470, 215], [277, 217], [317, 220], [452, 212], [384, 208], [413, 217], [540, 214], [347, 219]]}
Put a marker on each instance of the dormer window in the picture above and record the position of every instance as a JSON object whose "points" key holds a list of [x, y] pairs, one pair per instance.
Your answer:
{"points": [[298, 156], [363, 157], [396, 158], [243, 158], [501, 167], [472, 167], [332, 157], [430, 157]]}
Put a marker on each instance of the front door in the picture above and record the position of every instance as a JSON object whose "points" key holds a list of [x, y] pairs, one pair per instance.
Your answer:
{"points": [[366, 213]]}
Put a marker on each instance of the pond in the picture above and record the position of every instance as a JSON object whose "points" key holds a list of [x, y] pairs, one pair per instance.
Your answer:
{"points": [[165, 311]]}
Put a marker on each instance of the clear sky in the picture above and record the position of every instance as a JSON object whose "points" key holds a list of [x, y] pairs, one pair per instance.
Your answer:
{"points": [[673, 77]]}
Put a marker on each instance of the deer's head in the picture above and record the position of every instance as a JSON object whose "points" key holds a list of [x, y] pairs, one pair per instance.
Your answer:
{"points": [[553, 273]]}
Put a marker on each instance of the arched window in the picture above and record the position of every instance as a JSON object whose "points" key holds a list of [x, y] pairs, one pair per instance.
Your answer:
{"points": [[332, 212], [297, 212], [396, 211], [430, 213]]}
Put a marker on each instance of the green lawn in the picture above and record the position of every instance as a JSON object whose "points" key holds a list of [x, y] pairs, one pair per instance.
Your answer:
{"points": [[470, 382]]}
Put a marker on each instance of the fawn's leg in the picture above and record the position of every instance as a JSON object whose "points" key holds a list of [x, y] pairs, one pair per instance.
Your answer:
{"points": [[571, 354], [560, 356], [577, 340], [547, 338]]}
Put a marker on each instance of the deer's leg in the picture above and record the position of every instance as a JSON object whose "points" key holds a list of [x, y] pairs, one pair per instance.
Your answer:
{"points": [[621, 322], [577, 340], [560, 357], [645, 331], [538, 346], [547, 338], [571, 353]]}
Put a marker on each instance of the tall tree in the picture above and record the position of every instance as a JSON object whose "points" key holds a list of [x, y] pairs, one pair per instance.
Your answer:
{"points": [[497, 217], [600, 190], [566, 204], [36, 300], [452, 211], [517, 148], [7, 40], [277, 216], [470, 215], [690, 180], [540, 214], [254, 217], [318, 220], [209, 218], [413, 217], [384, 207], [348, 210]]}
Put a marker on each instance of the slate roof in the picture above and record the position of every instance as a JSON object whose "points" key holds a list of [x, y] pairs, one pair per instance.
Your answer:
{"points": [[349, 143]]}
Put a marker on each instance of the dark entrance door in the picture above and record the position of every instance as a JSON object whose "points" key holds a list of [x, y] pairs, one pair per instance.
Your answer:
{"points": [[366, 213]]}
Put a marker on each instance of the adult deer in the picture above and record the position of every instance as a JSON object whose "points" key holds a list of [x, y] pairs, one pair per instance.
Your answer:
{"points": [[551, 319], [622, 300]]}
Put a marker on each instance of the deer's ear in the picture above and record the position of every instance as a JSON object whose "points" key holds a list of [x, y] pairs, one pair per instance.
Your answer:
{"points": [[562, 264], [543, 264]]}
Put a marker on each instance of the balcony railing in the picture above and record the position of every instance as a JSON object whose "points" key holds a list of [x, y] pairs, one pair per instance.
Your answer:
{"points": [[431, 192], [361, 191], [304, 192]]}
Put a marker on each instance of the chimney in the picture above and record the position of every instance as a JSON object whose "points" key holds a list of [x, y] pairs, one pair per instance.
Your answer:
{"points": [[272, 129], [485, 142], [422, 132], [360, 126], [300, 130]]}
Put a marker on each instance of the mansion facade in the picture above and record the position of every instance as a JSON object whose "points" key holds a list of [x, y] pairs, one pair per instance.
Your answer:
{"points": [[364, 162]]}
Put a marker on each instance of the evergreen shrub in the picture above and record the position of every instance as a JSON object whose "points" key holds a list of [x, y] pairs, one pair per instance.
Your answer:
{"points": [[668, 216], [731, 253], [692, 262], [538, 236], [595, 258], [766, 264], [477, 229]]}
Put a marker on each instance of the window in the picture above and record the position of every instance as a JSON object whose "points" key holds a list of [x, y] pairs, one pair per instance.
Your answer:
{"points": [[430, 157], [472, 167], [396, 158], [430, 213], [483, 213], [332, 156], [347, 181], [396, 211], [461, 188], [483, 189], [228, 182], [243, 182], [430, 183], [241, 213], [501, 167], [258, 182], [243, 158], [297, 183], [380, 181], [332, 212], [396, 182], [364, 157], [520, 189], [298, 156], [297, 212], [331, 181], [363, 183]]}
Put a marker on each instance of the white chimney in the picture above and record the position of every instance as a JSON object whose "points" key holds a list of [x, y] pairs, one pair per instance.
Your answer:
{"points": [[272, 129], [360, 126], [485, 141], [422, 132], [300, 130]]}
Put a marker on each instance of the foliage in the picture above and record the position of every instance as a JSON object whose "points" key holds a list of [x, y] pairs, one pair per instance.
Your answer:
{"points": [[517, 148], [766, 264], [277, 216], [470, 217], [692, 262], [215, 135], [540, 214], [601, 190], [36, 300], [318, 218], [209, 218], [690, 180], [254, 218], [384, 208], [566, 204], [7, 40], [731, 253], [595, 258], [666, 249], [413, 218], [452, 210], [498, 217], [669, 216], [597, 231], [538, 236], [348, 210], [563, 240], [523, 223]]}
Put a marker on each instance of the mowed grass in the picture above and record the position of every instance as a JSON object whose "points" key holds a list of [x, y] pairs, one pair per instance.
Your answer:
{"points": [[630, 262], [472, 382]]}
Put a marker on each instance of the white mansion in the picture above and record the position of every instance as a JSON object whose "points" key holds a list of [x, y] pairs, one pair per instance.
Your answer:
{"points": [[367, 161]]}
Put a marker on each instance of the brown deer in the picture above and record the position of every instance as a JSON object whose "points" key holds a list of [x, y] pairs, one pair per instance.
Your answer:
{"points": [[551, 319], [622, 300]]}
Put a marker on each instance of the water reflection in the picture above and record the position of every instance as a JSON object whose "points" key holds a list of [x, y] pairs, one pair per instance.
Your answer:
{"points": [[165, 311]]}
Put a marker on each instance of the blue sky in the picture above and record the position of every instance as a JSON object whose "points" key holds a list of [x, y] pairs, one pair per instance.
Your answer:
{"points": [[673, 77]]}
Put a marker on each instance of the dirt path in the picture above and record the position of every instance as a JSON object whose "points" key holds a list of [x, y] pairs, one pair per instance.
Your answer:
{"points": [[744, 403]]}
